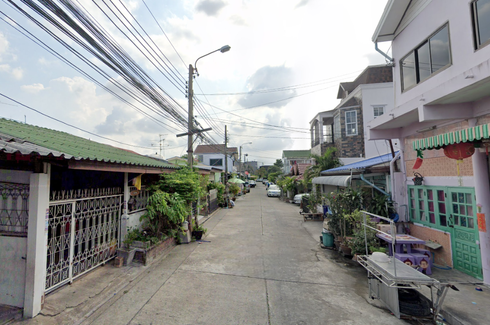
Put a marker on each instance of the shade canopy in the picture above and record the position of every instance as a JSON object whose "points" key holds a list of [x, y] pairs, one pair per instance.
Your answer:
{"points": [[235, 180], [465, 135], [343, 181]]}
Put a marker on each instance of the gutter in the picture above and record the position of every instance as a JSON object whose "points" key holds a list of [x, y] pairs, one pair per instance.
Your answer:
{"points": [[392, 171]]}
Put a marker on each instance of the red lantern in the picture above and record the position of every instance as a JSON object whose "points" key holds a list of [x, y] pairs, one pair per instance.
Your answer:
{"points": [[459, 151]]}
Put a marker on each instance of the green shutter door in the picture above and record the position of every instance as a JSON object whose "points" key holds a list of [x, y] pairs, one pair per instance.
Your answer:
{"points": [[465, 237]]}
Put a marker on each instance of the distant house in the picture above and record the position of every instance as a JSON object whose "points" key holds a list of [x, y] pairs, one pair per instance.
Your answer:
{"points": [[214, 156], [65, 208], [290, 158], [370, 95], [213, 172], [251, 166]]}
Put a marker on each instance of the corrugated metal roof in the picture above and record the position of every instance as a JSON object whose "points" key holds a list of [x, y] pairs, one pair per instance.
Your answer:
{"points": [[363, 163], [30, 139]]}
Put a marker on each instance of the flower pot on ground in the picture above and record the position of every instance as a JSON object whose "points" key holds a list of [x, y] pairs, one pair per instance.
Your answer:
{"points": [[127, 254]]}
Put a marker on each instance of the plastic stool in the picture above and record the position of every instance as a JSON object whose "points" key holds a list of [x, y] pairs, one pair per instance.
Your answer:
{"points": [[424, 262], [405, 258], [421, 251]]}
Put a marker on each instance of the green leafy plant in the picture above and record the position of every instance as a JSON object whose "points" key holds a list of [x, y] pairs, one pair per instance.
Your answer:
{"points": [[234, 189], [164, 212]]}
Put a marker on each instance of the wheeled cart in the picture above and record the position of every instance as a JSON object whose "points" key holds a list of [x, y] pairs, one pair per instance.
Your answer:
{"points": [[389, 277]]}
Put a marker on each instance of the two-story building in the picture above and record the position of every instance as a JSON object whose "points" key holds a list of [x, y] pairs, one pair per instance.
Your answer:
{"points": [[370, 95], [441, 77], [214, 156], [291, 158]]}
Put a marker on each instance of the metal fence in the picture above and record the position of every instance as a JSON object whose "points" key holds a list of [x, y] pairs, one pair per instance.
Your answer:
{"points": [[14, 207]]}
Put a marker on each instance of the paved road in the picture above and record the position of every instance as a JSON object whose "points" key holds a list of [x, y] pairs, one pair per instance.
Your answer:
{"points": [[260, 264]]}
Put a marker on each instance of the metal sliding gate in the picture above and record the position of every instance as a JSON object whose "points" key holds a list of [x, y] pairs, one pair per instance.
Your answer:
{"points": [[82, 231]]}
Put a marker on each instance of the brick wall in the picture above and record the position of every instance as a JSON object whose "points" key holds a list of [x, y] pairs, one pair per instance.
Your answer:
{"points": [[351, 146], [435, 162], [442, 256]]}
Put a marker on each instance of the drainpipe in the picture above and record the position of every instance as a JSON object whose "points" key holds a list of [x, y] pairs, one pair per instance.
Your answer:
{"points": [[384, 54], [392, 172], [374, 186]]}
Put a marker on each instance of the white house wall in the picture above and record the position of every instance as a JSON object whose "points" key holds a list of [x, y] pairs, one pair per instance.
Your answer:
{"points": [[376, 95], [207, 157], [466, 61], [13, 251]]}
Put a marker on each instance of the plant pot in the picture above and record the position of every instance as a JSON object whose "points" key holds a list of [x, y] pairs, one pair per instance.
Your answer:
{"points": [[126, 254], [197, 234], [141, 244], [346, 250]]}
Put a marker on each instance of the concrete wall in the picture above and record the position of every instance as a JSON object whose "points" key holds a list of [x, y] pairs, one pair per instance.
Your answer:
{"points": [[443, 255], [465, 60], [133, 220], [208, 157], [376, 95], [13, 251]]}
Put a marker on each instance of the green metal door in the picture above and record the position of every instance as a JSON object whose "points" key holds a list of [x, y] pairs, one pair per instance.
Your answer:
{"points": [[465, 238]]}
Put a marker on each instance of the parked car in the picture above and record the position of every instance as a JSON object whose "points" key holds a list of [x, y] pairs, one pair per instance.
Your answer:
{"points": [[259, 180], [298, 197], [264, 181], [246, 187], [274, 190], [252, 183]]}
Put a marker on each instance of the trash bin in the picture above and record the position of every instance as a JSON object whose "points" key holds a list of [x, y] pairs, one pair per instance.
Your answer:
{"points": [[327, 239]]}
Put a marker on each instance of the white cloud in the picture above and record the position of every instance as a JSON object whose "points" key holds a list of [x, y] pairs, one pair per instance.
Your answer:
{"points": [[33, 89], [16, 73], [4, 45]]}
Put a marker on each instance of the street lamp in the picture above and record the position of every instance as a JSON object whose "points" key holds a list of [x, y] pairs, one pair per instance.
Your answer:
{"points": [[240, 173], [190, 93]]}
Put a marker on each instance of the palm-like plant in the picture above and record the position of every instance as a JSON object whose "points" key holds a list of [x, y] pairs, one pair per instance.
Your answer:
{"points": [[327, 161]]}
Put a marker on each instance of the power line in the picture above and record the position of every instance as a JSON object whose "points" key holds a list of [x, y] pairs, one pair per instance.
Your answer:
{"points": [[70, 125]]}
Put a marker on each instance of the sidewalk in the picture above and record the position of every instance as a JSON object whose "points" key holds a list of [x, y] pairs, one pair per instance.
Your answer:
{"points": [[464, 307], [76, 302]]}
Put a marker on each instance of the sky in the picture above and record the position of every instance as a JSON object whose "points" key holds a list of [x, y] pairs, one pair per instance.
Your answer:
{"points": [[286, 61]]}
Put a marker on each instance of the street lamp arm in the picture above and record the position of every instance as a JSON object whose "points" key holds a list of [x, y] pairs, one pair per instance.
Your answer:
{"points": [[222, 49]]}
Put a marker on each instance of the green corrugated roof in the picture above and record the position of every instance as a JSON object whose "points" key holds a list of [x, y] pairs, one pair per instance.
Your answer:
{"points": [[77, 147], [296, 154]]}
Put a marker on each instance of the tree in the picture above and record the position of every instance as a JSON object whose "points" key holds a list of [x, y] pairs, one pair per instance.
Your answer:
{"points": [[279, 163], [327, 161]]}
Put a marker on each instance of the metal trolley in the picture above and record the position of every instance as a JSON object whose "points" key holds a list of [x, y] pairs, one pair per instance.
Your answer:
{"points": [[385, 278]]}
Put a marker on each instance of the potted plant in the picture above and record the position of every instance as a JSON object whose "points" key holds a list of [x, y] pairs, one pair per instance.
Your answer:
{"points": [[198, 232], [234, 189]]}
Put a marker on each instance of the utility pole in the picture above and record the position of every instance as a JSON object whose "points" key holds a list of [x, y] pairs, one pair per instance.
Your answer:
{"points": [[226, 157], [190, 117], [162, 147]]}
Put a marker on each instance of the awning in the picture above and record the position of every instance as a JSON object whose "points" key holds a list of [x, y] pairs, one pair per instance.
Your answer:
{"points": [[343, 181], [363, 163], [466, 135]]}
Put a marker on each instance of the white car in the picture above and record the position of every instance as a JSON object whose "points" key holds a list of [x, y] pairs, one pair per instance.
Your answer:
{"points": [[274, 190], [298, 197]]}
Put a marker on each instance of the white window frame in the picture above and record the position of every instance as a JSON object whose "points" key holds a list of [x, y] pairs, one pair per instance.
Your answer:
{"points": [[377, 108], [347, 124]]}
